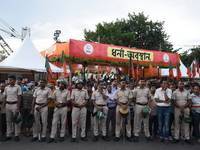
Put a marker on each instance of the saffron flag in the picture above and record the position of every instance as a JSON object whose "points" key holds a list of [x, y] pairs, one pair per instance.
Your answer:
{"points": [[150, 68], [48, 69], [188, 72], [138, 69], [178, 76], [132, 72], [171, 74], [193, 71], [63, 64], [195, 63]]}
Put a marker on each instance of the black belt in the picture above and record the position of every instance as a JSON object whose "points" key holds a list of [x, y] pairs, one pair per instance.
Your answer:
{"points": [[11, 102], [101, 105], [163, 106], [40, 104], [111, 107], [77, 106], [62, 106], [178, 107], [123, 103], [141, 104]]}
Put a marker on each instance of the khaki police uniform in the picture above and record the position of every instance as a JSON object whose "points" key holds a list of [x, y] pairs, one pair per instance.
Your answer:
{"points": [[100, 101], [142, 96], [41, 96], [181, 99], [123, 97], [12, 93], [79, 96], [60, 96]]}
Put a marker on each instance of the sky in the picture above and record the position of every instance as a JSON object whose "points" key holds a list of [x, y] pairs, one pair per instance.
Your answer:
{"points": [[43, 17]]}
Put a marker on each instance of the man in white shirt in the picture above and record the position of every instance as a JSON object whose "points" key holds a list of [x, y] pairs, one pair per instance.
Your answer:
{"points": [[162, 97]]}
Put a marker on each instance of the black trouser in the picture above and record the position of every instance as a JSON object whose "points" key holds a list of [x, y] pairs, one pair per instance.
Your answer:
{"points": [[88, 122], [50, 117], [153, 120], [192, 125], [170, 123], [3, 123], [111, 116], [25, 114], [69, 121]]}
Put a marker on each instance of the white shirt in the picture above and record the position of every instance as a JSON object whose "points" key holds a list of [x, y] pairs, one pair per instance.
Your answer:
{"points": [[160, 95]]}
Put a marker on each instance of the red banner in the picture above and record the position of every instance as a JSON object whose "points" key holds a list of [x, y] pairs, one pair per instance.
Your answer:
{"points": [[111, 53]]}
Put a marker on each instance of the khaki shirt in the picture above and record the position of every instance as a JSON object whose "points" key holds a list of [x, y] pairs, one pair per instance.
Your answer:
{"points": [[61, 96], [123, 96], [79, 96], [181, 97], [98, 97], [12, 93], [141, 95], [42, 95], [153, 106]]}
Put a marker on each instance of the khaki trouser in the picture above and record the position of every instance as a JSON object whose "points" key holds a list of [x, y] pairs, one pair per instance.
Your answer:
{"points": [[185, 126], [43, 112], [138, 117], [118, 122], [103, 122], [61, 112], [76, 113], [10, 112]]}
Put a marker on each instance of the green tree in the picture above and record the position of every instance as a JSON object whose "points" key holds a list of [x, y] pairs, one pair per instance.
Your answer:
{"points": [[136, 31], [189, 55]]}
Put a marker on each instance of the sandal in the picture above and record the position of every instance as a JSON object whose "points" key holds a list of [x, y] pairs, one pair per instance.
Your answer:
{"points": [[198, 141], [166, 142]]}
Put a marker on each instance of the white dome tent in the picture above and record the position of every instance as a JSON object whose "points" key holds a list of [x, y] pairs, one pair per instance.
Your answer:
{"points": [[26, 59]]}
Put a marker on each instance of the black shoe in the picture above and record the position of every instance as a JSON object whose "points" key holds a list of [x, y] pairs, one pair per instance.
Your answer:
{"points": [[95, 139], [16, 139], [73, 140], [189, 142], [43, 139], [61, 139], [136, 139], [105, 138], [34, 139], [175, 141], [150, 139], [130, 139], [113, 134], [84, 139], [50, 140], [6, 139], [116, 139]]}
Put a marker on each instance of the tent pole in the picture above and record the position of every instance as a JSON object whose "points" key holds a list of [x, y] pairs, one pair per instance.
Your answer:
{"points": [[98, 72]]}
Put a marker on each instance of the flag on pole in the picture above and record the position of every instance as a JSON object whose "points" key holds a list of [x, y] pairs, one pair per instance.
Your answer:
{"points": [[195, 62], [178, 76], [138, 69], [48, 69], [171, 74], [132, 72], [193, 70], [188, 72], [198, 67], [130, 61], [63, 64], [150, 68]]}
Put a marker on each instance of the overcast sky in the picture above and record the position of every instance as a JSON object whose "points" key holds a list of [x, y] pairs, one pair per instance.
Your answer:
{"points": [[43, 17]]}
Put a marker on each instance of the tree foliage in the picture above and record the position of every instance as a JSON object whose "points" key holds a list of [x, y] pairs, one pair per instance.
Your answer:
{"points": [[188, 56], [136, 31]]}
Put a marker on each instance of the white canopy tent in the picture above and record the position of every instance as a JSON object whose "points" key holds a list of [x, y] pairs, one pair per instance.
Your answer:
{"points": [[26, 59], [165, 72]]}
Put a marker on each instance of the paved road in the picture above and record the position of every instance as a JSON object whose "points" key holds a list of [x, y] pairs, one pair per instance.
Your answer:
{"points": [[25, 144]]}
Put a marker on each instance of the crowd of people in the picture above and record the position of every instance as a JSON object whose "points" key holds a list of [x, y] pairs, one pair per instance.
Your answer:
{"points": [[144, 107]]}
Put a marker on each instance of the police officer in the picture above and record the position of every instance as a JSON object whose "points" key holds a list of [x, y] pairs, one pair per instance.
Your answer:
{"points": [[182, 100], [142, 99], [41, 98], [12, 101], [123, 97], [61, 98], [79, 98], [99, 99]]}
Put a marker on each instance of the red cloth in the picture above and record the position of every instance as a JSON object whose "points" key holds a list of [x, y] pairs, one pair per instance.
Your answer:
{"points": [[70, 105]]}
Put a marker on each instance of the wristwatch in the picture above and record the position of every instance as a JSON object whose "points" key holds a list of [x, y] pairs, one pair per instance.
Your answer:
{"points": [[60, 102], [17, 108]]}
